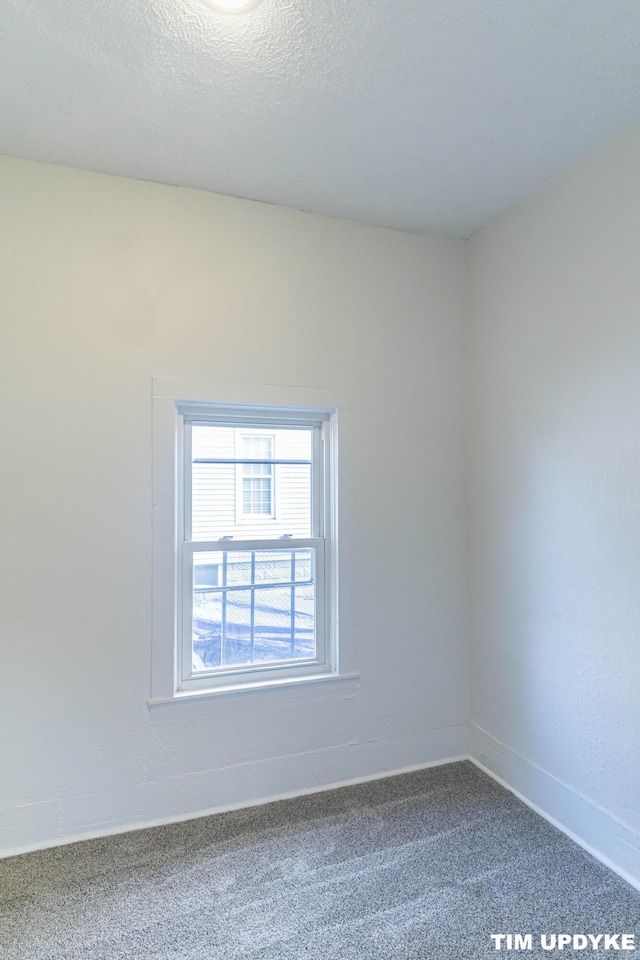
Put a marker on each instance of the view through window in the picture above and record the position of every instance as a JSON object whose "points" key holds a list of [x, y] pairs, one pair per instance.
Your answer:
{"points": [[253, 550]]}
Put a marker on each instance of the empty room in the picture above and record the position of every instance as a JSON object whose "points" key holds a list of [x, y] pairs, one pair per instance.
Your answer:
{"points": [[320, 476]]}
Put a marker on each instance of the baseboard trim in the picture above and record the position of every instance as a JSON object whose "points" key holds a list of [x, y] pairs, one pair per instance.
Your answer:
{"points": [[612, 843], [211, 811], [607, 839]]}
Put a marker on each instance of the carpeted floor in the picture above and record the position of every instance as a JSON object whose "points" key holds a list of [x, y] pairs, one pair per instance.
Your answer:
{"points": [[424, 865]]}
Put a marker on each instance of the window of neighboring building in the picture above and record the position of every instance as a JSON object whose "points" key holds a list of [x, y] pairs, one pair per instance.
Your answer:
{"points": [[256, 491]]}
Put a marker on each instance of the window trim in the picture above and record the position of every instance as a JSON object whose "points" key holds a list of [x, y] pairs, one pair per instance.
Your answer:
{"points": [[170, 488], [241, 419]]}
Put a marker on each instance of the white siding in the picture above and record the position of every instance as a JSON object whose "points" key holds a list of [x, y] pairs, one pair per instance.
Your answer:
{"points": [[217, 488]]}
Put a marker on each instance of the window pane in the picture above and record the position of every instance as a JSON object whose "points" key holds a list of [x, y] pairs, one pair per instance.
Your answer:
{"points": [[256, 496], [265, 498], [254, 606], [259, 446]]}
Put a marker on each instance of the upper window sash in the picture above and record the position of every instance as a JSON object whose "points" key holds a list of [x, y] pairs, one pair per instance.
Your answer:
{"points": [[247, 420], [190, 415]]}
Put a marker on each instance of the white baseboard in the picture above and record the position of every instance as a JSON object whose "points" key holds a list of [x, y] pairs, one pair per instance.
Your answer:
{"points": [[438, 748], [595, 830]]}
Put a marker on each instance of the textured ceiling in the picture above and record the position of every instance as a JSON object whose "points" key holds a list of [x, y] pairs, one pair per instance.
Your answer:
{"points": [[430, 115]]}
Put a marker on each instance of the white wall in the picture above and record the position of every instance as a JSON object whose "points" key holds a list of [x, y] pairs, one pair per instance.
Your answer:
{"points": [[555, 493], [107, 282]]}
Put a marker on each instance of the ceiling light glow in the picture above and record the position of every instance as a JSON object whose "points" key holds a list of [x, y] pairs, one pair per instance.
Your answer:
{"points": [[232, 6]]}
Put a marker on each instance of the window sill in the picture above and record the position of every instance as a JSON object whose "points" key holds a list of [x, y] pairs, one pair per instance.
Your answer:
{"points": [[254, 687]]}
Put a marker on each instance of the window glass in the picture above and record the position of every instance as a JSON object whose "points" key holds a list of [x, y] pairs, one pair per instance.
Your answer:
{"points": [[250, 484], [253, 607], [257, 477]]}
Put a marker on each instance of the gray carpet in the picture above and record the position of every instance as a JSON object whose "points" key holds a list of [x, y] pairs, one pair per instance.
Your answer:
{"points": [[424, 865]]}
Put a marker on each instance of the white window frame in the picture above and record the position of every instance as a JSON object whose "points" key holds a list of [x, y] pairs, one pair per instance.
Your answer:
{"points": [[172, 550]]}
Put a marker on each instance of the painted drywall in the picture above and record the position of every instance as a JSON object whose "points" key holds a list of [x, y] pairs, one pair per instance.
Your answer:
{"points": [[107, 282], [555, 499]]}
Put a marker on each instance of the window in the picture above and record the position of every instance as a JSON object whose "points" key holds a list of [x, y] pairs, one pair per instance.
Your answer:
{"points": [[257, 475], [253, 580]]}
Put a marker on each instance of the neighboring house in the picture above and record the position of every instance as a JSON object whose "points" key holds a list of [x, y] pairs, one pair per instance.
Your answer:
{"points": [[250, 500]]}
